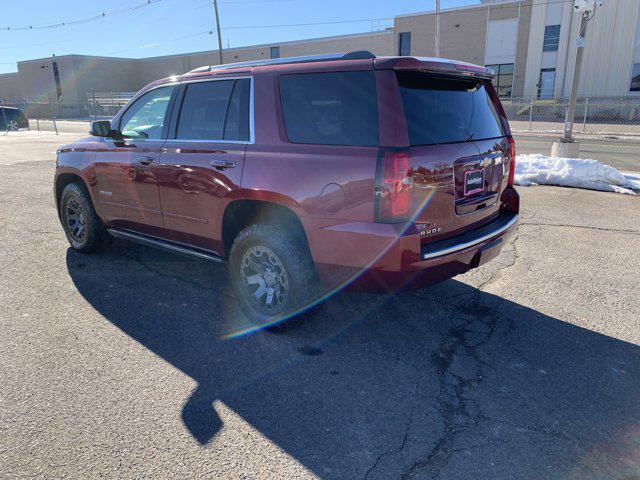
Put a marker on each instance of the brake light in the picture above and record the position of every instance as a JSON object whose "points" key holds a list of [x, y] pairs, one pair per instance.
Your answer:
{"points": [[512, 161], [393, 186]]}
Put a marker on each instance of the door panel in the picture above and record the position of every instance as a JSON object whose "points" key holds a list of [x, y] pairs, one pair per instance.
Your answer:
{"points": [[547, 83], [203, 165], [128, 184], [126, 167], [192, 189]]}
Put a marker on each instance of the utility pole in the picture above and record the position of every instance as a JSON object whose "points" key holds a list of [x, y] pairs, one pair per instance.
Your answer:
{"points": [[571, 109], [215, 7], [567, 146], [437, 39]]}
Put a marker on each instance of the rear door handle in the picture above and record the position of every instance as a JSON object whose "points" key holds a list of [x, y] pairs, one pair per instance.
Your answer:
{"points": [[147, 160], [222, 164]]}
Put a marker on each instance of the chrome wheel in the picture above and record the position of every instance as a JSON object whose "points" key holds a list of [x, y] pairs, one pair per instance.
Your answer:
{"points": [[76, 221], [265, 279], [12, 125]]}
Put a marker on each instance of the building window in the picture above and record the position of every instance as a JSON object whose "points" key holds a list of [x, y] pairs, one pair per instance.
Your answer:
{"points": [[404, 43], [275, 52], [551, 38], [503, 79], [635, 78]]}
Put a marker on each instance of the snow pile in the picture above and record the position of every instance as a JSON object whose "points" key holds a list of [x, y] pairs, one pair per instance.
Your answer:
{"points": [[536, 169]]}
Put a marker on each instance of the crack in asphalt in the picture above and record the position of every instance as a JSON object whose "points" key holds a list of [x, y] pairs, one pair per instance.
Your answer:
{"points": [[405, 438], [460, 413], [587, 227]]}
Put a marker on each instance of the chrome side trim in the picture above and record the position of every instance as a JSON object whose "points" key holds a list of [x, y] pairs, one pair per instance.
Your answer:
{"points": [[179, 140], [471, 243], [153, 242]]}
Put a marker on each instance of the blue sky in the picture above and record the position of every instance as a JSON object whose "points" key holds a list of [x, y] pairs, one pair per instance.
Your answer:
{"points": [[157, 29]]}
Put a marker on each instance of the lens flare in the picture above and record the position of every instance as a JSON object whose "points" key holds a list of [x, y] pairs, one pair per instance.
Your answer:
{"points": [[325, 295]]}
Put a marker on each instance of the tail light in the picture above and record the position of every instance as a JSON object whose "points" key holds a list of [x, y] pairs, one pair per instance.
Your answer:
{"points": [[512, 161], [393, 186]]}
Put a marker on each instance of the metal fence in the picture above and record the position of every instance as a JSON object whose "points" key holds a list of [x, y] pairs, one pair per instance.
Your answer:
{"points": [[107, 104], [47, 115], [600, 117], [98, 105]]}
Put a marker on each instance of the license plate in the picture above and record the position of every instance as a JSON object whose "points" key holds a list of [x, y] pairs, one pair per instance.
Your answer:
{"points": [[473, 181]]}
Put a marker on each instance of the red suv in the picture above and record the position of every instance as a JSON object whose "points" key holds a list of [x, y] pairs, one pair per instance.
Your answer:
{"points": [[305, 174]]}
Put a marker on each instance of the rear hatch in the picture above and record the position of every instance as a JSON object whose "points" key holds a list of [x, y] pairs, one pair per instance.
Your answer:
{"points": [[458, 150]]}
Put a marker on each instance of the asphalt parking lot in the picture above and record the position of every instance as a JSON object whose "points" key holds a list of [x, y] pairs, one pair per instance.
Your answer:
{"points": [[121, 364]]}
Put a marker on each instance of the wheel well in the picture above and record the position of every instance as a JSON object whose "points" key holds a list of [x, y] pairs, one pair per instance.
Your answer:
{"points": [[62, 181], [242, 213]]}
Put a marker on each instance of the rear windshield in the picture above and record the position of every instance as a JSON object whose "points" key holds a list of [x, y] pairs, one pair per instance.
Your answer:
{"points": [[445, 110], [337, 108]]}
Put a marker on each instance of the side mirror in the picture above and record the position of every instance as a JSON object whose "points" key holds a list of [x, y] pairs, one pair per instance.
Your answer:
{"points": [[100, 128]]}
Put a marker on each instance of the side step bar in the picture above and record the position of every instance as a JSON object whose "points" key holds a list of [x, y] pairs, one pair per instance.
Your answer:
{"points": [[165, 245]]}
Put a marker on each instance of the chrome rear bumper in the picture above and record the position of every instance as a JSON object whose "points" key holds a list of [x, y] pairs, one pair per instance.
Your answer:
{"points": [[467, 240]]}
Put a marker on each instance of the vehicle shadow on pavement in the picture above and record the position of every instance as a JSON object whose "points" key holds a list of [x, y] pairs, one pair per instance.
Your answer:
{"points": [[448, 380]]}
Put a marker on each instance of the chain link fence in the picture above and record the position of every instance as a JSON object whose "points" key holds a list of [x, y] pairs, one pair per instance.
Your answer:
{"points": [[608, 129], [604, 117], [52, 116]]}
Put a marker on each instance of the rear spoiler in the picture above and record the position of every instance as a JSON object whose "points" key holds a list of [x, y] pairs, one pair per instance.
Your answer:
{"points": [[434, 65]]}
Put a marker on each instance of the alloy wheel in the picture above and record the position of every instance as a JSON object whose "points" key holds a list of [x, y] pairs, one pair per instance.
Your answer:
{"points": [[265, 279], [76, 220]]}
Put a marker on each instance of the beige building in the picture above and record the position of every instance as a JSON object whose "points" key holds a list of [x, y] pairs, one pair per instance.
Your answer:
{"points": [[531, 44]]}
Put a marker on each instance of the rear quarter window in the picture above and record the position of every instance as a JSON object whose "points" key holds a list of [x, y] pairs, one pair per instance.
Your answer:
{"points": [[447, 109], [338, 108]]}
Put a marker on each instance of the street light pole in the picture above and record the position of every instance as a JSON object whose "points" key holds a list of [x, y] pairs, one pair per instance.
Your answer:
{"points": [[437, 37], [215, 7]]}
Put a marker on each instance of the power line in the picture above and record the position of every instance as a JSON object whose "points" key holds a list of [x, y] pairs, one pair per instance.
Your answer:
{"points": [[93, 18], [132, 8]]}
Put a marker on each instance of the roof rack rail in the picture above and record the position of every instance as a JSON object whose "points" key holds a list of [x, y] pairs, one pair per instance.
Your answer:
{"points": [[355, 55]]}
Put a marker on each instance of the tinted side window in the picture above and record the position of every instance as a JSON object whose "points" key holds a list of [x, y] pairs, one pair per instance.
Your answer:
{"points": [[203, 110], [330, 108], [444, 110], [236, 126], [216, 110], [145, 118]]}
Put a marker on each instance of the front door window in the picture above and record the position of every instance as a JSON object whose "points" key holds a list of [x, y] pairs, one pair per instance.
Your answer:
{"points": [[145, 118]]}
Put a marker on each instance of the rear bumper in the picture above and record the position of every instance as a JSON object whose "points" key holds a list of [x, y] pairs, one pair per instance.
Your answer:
{"points": [[371, 257], [470, 240]]}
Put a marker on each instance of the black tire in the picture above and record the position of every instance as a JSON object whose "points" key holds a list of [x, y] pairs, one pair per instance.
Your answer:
{"points": [[283, 264], [83, 228]]}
